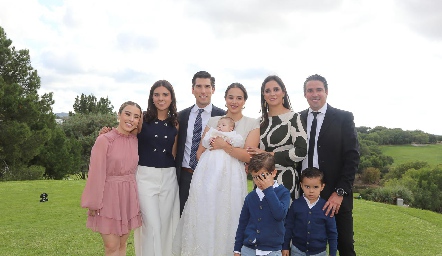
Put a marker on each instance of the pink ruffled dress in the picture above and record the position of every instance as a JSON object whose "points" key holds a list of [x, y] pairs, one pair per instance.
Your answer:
{"points": [[111, 188]]}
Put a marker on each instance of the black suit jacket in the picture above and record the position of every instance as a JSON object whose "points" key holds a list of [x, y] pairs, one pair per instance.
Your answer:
{"points": [[338, 153], [183, 120]]}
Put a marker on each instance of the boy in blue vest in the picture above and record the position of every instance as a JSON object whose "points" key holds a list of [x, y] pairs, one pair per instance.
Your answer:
{"points": [[261, 223], [306, 225]]}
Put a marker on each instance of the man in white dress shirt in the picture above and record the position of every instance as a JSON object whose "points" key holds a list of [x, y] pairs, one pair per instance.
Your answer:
{"points": [[203, 86]]}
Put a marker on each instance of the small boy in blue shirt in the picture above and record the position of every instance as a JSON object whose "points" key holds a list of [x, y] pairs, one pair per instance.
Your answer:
{"points": [[261, 223], [306, 225]]}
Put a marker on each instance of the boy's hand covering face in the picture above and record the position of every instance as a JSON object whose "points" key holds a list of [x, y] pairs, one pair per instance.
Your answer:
{"points": [[263, 179]]}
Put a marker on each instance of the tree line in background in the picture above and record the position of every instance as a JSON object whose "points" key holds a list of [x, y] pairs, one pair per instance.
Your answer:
{"points": [[370, 141], [34, 146], [396, 136], [416, 182]]}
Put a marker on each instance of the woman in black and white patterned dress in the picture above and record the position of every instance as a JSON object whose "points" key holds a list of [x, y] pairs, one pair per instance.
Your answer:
{"points": [[282, 133]]}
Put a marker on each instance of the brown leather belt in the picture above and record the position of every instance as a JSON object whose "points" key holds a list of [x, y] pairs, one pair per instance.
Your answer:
{"points": [[187, 170]]}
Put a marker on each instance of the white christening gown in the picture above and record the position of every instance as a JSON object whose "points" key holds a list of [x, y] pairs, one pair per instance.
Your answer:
{"points": [[210, 217]]}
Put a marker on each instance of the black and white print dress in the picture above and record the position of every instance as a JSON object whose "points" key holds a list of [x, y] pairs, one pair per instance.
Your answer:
{"points": [[285, 136]]}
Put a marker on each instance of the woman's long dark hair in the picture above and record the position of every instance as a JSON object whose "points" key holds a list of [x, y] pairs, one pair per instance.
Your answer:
{"points": [[151, 113], [264, 105]]}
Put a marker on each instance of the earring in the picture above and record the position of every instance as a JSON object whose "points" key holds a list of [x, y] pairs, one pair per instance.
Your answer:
{"points": [[243, 107], [225, 105], [283, 101]]}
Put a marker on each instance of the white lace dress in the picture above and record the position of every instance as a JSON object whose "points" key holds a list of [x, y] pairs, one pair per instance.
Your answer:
{"points": [[210, 217]]}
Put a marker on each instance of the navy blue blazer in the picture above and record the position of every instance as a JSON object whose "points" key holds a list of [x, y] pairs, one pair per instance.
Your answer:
{"points": [[183, 120], [338, 153]]}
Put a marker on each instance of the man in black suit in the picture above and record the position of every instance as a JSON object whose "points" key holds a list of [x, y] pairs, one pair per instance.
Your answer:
{"points": [[203, 86], [334, 150]]}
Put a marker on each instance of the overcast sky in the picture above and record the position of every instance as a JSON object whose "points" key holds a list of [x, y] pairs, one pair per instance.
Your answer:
{"points": [[382, 59]]}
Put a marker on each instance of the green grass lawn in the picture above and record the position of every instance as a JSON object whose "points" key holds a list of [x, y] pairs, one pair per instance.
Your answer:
{"points": [[57, 227], [431, 154]]}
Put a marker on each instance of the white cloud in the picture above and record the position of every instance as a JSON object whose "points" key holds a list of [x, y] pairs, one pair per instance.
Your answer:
{"points": [[380, 58], [423, 16]]}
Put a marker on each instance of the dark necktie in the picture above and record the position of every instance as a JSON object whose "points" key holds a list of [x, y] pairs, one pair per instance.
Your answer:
{"points": [[311, 141], [196, 139]]}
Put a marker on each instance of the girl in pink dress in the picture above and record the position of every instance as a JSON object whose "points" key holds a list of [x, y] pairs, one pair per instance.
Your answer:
{"points": [[111, 193]]}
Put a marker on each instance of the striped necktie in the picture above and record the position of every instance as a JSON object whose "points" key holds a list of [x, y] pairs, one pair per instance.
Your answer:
{"points": [[196, 138]]}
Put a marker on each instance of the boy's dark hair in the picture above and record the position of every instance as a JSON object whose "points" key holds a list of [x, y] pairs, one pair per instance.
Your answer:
{"points": [[311, 173], [262, 161]]}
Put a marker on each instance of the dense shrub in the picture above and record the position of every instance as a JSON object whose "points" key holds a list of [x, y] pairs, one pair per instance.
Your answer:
{"points": [[426, 187], [372, 156], [33, 172], [371, 175], [398, 171], [388, 195]]}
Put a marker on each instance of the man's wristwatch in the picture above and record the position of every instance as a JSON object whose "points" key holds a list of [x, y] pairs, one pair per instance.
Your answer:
{"points": [[340, 192]]}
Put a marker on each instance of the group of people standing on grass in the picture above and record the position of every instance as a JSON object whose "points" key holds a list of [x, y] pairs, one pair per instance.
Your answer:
{"points": [[179, 178]]}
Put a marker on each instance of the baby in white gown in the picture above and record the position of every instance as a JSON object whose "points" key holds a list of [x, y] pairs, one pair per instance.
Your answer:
{"points": [[224, 129], [219, 185]]}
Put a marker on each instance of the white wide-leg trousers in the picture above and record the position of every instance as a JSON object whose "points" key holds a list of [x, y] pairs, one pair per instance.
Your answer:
{"points": [[159, 203]]}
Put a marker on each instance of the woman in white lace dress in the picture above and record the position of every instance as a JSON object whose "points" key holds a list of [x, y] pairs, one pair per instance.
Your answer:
{"points": [[210, 217]]}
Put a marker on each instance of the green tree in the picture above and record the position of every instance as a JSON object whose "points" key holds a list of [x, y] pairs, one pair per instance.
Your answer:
{"points": [[61, 156], [396, 136], [420, 137], [427, 187], [26, 118], [371, 175], [372, 156], [84, 128], [88, 104], [374, 137], [398, 171], [432, 138], [363, 129]]}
